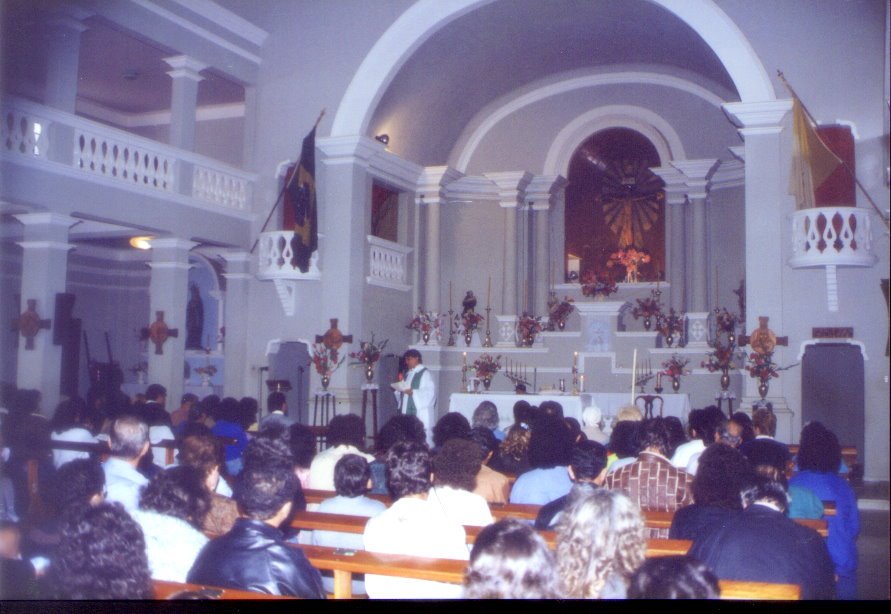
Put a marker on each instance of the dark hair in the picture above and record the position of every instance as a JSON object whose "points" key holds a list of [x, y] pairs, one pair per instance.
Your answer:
{"points": [[523, 412], [744, 421], [587, 459], [485, 439], [275, 401], [510, 560], [346, 429], [303, 444], [550, 443], [694, 422], [819, 449], [764, 421], [451, 426], [351, 475], [654, 434], [203, 452], [408, 469], [713, 422], [400, 427], [247, 412], [673, 577], [228, 410], [209, 406], [193, 429], [722, 474], [763, 488], [25, 401], [77, 482], [261, 491], [551, 408], [101, 556], [412, 353], [268, 447], [575, 430], [188, 398], [457, 464], [624, 441], [676, 434], [69, 414], [155, 391], [129, 435], [179, 492]]}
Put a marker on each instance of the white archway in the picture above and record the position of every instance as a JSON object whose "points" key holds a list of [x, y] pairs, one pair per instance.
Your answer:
{"points": [[426, 17]]}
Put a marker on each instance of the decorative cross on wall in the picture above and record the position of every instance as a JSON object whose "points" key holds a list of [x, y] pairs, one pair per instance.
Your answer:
{"points": [[333, 338], [29, 324], [159, 332], [763, 340]]}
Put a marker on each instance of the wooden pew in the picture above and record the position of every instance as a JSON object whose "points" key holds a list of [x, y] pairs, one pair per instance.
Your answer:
{"points": [[164, 589], [344, 565], [848, 453]]}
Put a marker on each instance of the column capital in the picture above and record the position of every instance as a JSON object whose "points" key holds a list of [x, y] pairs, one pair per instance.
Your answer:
{"points": [[541, 190], [432, 184], [46, 219], [512, 186], [170, 250], [185, 67], [758, 117], [348, 150], [675, 184], [238, 264], [698, 175]]}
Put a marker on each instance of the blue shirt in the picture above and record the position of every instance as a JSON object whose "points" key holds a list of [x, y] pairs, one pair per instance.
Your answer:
{"points": [[540, 486], [224, 428]]}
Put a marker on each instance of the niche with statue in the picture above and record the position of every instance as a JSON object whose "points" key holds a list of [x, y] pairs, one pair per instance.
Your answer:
{"points": [[204, 333]]}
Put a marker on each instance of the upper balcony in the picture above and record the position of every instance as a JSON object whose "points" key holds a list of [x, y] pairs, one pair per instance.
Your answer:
{"points": [[84, 155], [831, 236]]}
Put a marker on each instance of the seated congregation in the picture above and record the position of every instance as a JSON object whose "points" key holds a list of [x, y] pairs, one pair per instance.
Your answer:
{"points": [[95, 508]]}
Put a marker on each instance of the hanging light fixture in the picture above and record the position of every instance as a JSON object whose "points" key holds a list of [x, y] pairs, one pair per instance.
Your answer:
{"points": [[141, 242]]}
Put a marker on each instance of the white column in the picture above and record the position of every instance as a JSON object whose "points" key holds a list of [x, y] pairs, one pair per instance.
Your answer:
{"points": [[543, 193], [767, 202], [511, 194], [184, 99], [63, 57], [235, 318], [431, 194], [44, 270], [675, 234], [169, 293]]}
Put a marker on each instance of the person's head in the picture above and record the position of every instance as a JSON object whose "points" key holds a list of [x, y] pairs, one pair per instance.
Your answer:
{"points": [[766, 489], [210, 406], [129, 438], [269, 447], [819, 449], [204, 453], [587, 462], [303, 444], [523, 413], [654, 436], [457, 464], [764, 421], [247, 411], [264, 492], [551, 408], [451, 426], [592, 417], [673, 577], [193, 429], [351, 475], [485, 440], [411, 358], [516, 441], [408, 469], [722, 474], [228, 410], [694, 423], [276, 401], [69, 414], [676, 435], [79, 483], [180, 492], [510, 560], [575, 429], [486, 414], [741, 427], [600, 533], [624, 441], [628, 412], [156, 393], [713, 423], [188, 401], [550, 443], [101, 555], [346, 429], [400, 427], [25, 401]]}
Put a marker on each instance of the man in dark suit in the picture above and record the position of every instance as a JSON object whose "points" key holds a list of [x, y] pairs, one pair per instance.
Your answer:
{"points": [[762, 545], [764, 449]]}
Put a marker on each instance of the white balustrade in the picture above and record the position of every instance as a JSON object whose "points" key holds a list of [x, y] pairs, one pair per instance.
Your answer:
{"points": [[387, 264], [837, 236], [118, 157], [220, 187], [24, 132], [274, 258]]}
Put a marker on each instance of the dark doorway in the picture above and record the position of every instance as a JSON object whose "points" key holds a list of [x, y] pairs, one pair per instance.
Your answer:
{"points": [[832, 390]]}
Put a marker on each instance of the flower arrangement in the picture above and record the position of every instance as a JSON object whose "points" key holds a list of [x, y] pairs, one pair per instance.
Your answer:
{"points": [[721, 359], [671, 323], [487, 366], [324, 359], [726, 321], [424, 321], [470, 320], [559, 312], [594, 284], [369, 352], [208, 370], [762, 366], [527, 327], [648, 308], [631, 258], [675, 366]]}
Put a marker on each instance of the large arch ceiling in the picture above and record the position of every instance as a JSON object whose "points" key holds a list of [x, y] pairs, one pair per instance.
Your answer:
{"points": [[442, 62]]}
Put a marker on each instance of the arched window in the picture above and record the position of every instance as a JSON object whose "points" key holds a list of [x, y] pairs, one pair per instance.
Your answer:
{"points": [[614, 201]]}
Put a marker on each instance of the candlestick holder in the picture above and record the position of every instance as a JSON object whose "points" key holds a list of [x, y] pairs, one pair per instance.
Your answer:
{"points": [[487, 343], [575, 381], [451, 329]]}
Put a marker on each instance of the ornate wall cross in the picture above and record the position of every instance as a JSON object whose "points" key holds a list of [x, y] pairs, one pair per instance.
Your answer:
{"points": [[159, 332], [29, 324]]}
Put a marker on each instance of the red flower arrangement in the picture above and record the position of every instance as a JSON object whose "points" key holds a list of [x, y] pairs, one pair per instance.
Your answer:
{"points": [[470, 320], [594, 284], [726, 321], [675, 366], [762, 366], [487, 366], [369, 352], [631, 258], [424, 321], [324, 359], [649, 307], [527, 327], [560, 311], [671, 323], [721, 359]]}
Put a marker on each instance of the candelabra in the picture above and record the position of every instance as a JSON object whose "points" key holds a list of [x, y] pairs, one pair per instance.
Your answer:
{"points": [[451, 328], [488, 342], [575, 373], [464, 374], [644, 376], [517, 375]]}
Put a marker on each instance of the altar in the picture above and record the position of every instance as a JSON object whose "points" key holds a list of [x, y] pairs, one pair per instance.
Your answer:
{"points": [[610, 403]]}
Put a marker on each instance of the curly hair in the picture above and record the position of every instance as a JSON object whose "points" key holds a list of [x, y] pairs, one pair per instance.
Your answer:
{"points": [[457, 464], [267, 448], [722, 474], [451, 426], [516, 442], [600, 533], [486, 414], [346, 429], [673, 577], [654, 434], [101, 556], [819, 450], [180, 492], [400, 427], [261, 491], [76, 482], [408, 469], [510, 560], [203, 452]]}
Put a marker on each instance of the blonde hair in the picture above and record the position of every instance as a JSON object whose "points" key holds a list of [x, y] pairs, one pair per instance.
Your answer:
{"points": [[600, 533], [516, 442], [629, 413]]}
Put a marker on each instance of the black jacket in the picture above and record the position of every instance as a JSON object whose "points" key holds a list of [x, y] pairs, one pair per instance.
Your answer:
{"points": [[253, 556]]}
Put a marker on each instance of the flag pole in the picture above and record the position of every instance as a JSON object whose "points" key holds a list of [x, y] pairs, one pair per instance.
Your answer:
{"points": [[281, 193], [843, 162]]}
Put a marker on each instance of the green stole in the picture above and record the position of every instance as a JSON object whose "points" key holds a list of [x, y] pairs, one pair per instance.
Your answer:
{"points": [[410, 408]]}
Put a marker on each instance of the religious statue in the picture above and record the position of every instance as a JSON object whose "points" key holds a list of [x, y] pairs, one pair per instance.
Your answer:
{"points": [[469, 302], [194, 319], [763, 340]]}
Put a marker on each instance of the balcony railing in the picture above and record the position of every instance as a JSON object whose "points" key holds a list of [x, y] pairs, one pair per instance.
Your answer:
{"points": [[43, 134], [387, 264], [831, 236]]}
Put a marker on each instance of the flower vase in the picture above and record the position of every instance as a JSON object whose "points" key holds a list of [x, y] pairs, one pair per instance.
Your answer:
{"points": [[599, 297], [731, 339], [725, 380], [675, 383], [762, 388], [325, 381], [487, 381], [468, 338], [528, 341], [561, 324], [425, 337], [369, 372], [647, 323], [669, 339]]}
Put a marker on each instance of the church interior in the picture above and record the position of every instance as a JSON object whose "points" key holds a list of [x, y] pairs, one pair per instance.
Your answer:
{"points": [[606, 178]]}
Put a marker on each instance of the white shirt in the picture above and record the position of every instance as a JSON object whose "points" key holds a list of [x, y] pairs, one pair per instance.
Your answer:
{"points": [[424, 398], [414, 527], [464, 507], [171, 544], [321, 471], [123, 483], [77, 434], [685, 452], [157, 434]]}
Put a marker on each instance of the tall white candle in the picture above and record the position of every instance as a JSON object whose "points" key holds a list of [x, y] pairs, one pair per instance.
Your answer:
{"points": [[489, 293], [633, 376]]}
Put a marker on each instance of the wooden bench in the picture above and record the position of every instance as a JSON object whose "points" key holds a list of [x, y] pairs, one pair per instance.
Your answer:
{"points": [[848, 453], [164, 589]]}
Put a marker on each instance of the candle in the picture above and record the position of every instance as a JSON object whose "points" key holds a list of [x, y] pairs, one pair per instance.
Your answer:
{"points": [[525, 294], [633, 375], [465, 359], [575, 358], [659, 379], [450, 294], [489, 293], [581, 383]]}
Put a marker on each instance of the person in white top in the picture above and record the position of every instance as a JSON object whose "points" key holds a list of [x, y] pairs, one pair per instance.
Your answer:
{"points": [[412, 526], [685, 451], [129, 443], [71, 424], [454, 478], [707, 427], [418, 395], [345, 435]]}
